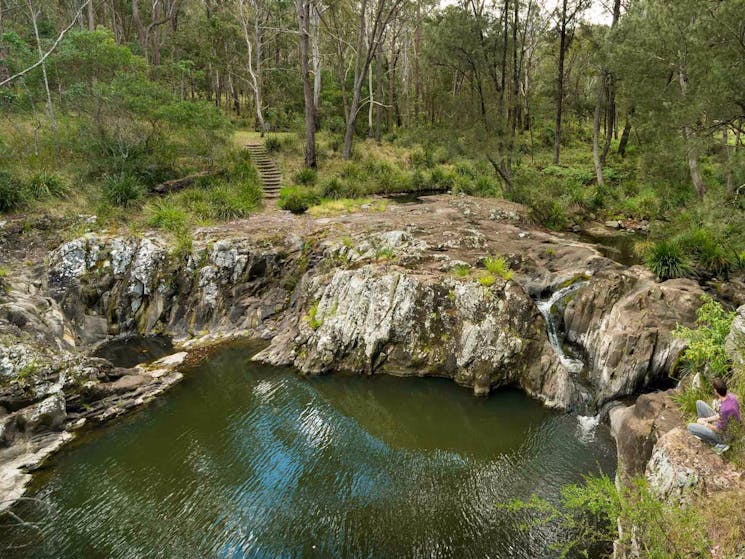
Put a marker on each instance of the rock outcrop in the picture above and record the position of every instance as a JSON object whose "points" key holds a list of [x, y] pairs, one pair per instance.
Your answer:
{"points": [[682, 468], [48, 389], [382, 319], [138, 285], [624, 321], [637, 428], [735, 342]]}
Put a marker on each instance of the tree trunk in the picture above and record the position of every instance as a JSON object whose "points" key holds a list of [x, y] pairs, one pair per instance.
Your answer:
{"points": [[417, 52], [314, 22], [730, 184], [91, 17], [349, 131], [50, 105], [626, 133], [371, 103], [360, 69], [560, 81], [236, 98], [303, 15], [691, 148], [254, 76], [503, 84], [4, 72], [611, 115], [140, 27], [515, 111], [596, 158], [727, 159], [391, 73], [379, 107]]}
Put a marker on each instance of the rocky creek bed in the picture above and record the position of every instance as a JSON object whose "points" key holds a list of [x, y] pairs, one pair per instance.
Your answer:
{"points": [[370, 292]]}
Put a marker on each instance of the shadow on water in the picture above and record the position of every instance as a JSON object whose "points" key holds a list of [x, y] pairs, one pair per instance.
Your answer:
{"points": [[244, 460], [132, 350]]}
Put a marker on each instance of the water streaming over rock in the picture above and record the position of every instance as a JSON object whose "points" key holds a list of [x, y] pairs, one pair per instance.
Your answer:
{"points": [[552, 310]]}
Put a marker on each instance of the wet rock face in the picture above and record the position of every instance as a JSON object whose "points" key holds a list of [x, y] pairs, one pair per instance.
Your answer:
{"points": [[372, 319], [137, 285], [624, 321]]}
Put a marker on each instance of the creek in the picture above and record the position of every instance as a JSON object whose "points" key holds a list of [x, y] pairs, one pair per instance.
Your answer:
{"points": [[245, 460]]}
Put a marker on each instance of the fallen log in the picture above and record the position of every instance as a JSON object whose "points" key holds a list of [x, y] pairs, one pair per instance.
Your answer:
{"points": [[175, 185]]}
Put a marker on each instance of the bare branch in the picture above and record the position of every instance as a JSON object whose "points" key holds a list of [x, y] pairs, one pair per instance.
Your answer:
{"points": [[51, 50]]}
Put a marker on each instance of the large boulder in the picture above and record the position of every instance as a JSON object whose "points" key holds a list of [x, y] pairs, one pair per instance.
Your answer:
{"points": [[638, 427], [624, 320], [683, 467], [735, 342], [374, 319]]}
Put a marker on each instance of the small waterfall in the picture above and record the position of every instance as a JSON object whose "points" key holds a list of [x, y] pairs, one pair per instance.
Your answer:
{"points": [[586, 425], [553, 322]]}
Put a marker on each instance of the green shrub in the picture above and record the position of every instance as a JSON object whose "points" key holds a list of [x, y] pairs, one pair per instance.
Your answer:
{"points": [[667, 260], [47, 185], [420, 158], [272, 143], [314, 321], [297, 199], [705, 352], [231, 201], [12, 194], [335, 189], [550, 213], [419, 180], [306, 176], [498, 266], [686, 399], [385, 253], [165, 214], [589, 513], [442, 178], [487, 279], [122, 190], [708, 253], [461, 270], [239, 167], [465, 169]]}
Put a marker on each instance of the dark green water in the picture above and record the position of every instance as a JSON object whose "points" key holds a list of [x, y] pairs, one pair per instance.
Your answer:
{"points": [[242, 460]]}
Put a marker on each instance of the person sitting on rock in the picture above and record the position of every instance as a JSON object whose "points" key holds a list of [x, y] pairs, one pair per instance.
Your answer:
{"points": [[710, 425]]}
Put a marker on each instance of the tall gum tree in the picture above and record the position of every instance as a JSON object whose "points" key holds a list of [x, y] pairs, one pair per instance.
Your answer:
{"points": [[567, 15], [374, 17], [304, 14]]}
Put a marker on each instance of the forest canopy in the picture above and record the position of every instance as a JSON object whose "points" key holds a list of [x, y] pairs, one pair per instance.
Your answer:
{"points": [[638, 117]]}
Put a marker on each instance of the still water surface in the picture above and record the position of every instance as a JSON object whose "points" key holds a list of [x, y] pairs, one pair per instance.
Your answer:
{"points": [[243, 460]]}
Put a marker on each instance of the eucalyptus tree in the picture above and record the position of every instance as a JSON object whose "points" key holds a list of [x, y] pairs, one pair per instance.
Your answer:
{"points": [[374, 16], [304, 14], [567, 16], [683, 67], [250, 14]]}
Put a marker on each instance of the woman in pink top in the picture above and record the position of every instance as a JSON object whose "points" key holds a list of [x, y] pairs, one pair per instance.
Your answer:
{"points": [[710, 426]]}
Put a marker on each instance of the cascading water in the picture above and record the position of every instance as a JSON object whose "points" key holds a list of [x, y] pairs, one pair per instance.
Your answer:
{"points": [[553, 322]]}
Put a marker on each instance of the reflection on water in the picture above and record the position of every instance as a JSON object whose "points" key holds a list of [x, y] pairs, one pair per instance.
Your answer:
{"points": [[249, 461], [620, 246]]}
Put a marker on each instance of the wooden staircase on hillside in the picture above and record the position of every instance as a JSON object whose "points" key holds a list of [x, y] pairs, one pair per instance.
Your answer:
{"points": [[271, 178]]}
